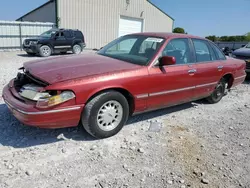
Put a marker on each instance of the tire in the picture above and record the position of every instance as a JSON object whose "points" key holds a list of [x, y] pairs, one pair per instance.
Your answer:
{"points": [[218, 93], [94, 116], [77, 49], [45, 51]]}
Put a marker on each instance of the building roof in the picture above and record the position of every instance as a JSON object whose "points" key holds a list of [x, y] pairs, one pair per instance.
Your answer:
{"points": [[160, 10], [50, 1]]}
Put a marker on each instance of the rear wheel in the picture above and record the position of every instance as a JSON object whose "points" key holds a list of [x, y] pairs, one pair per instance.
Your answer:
{"points": [[218, 92], [106, 114], [45, 51], [77, 49]]}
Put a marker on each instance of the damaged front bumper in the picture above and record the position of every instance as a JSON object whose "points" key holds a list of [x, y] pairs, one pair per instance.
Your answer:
{"points": [[27, 113]]}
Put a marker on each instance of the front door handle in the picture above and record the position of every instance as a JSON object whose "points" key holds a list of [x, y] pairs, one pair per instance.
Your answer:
{"points": [[192, 71]]}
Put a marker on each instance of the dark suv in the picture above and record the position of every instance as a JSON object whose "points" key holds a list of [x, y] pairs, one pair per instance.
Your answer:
{"points": [[55, 41]]}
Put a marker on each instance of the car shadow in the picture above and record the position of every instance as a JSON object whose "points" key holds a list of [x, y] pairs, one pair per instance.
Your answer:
{"points": [[16, 135], [158, 113]]}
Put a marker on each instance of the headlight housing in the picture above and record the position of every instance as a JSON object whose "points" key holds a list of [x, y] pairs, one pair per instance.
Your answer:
{"points": [[55, 100]]}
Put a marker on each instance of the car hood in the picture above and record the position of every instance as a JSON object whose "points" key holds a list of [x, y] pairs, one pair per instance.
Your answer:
{"points": [[53, 70], [242, 52]]}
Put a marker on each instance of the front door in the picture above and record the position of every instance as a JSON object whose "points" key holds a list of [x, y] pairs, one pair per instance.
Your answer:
{"points": [[173, 84]]}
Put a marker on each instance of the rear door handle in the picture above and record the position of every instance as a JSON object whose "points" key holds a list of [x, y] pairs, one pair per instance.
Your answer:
{"points": [[192, 71], [220, 67]]}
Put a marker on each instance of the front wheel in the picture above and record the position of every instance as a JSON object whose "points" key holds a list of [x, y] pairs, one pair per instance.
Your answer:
{"points": [[45, 51], [106, 114], [218, 92]]}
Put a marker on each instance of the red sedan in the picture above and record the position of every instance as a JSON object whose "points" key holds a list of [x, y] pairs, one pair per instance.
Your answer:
{"points": [[133, 74]]}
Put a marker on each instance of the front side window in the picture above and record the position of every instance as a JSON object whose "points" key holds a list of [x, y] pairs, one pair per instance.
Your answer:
{"points": [[201, 51], [48, 33], [178, 48], [60, 34], [219, 54], [136, 49]]}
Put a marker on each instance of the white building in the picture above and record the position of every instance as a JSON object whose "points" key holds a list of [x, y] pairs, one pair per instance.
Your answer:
{"points": [[101, 21]]}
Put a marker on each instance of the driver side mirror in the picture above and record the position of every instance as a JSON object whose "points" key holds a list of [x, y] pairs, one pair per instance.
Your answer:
{"points": [[167, 60]]}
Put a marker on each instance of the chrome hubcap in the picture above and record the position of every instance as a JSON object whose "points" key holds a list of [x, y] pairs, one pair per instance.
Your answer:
{"points": [[46, 51], [77, 49], [109, 115]]}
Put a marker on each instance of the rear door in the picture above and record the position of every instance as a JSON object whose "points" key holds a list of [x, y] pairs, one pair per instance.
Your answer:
{"points": [[208, 68], [61, 42], [173, 84]]}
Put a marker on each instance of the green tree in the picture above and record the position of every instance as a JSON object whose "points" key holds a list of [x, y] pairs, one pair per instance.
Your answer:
{"points": [[248, 36], [224, 38], [212, 38], [179, 30]]}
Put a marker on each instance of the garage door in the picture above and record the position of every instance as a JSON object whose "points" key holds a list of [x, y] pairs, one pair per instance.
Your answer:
{"points": [[129, 25]]}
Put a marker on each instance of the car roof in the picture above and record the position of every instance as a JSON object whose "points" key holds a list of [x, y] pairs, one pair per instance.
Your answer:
{"points": [[167, 35], [63, 29]]}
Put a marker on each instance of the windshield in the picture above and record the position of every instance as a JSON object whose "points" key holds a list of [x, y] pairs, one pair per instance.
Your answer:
{"points": [[136, 49], [248, 45], [48, 33]]}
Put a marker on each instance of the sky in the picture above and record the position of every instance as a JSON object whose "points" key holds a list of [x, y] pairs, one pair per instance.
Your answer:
{"points": [[197, 17]]}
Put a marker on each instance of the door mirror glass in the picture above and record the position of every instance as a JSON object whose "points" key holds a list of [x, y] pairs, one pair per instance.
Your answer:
{"points": [[167, 60]]}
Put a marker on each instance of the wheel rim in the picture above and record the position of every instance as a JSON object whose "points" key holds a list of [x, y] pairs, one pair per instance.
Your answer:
{"points": [[109, 115], [218, 92], [46, 51], [77, 49]]}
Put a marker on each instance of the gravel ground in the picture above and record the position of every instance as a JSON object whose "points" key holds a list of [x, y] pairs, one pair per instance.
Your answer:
{"points": [[191, 145]]}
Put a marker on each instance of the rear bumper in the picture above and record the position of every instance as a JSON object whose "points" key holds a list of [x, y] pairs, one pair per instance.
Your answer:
{"points": [[53, 118], [239, 80]]}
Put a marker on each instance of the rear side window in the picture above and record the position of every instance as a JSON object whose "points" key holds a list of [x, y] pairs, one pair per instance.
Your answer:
{"points": [[219, 54], [202, 51], [67, 34]]}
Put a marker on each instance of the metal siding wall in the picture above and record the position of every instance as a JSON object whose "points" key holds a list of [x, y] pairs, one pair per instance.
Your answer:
{"points": [[10, 32], [99, 19], [44, 14]]}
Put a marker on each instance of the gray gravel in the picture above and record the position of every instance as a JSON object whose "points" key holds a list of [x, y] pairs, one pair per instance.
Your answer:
{"points": [[191, 145]]}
